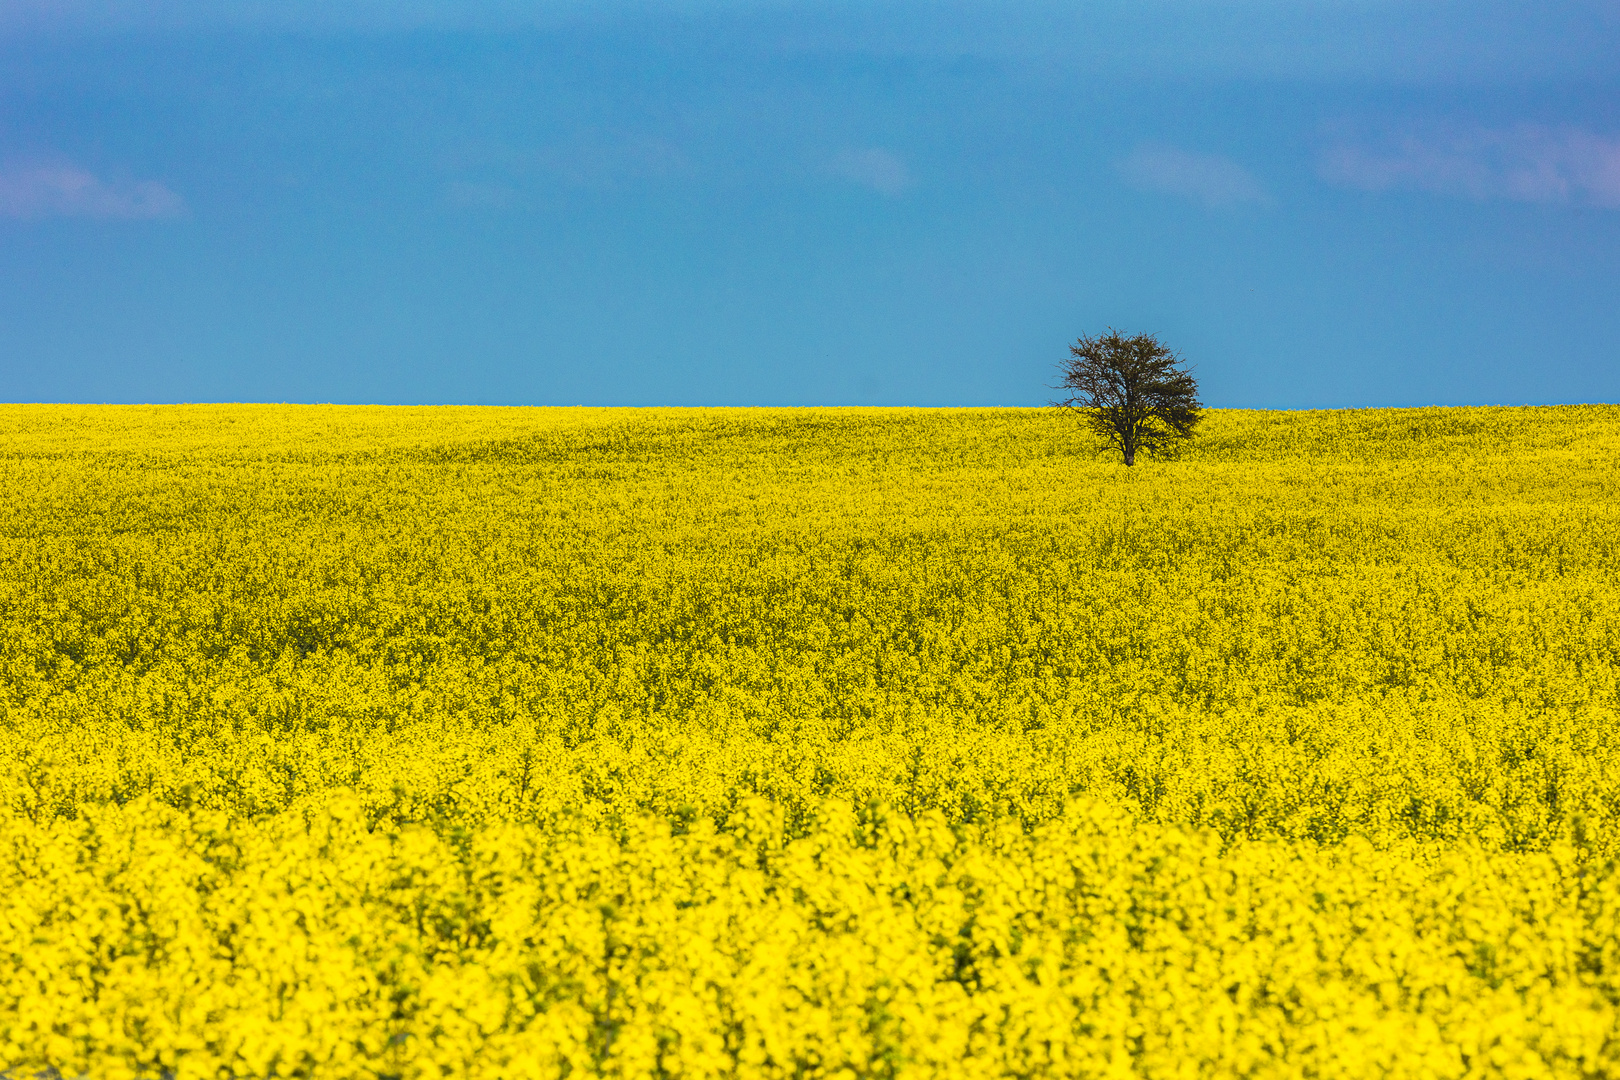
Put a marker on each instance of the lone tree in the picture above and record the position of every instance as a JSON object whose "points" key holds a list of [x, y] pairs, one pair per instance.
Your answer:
{"points": [[1131, 391]]}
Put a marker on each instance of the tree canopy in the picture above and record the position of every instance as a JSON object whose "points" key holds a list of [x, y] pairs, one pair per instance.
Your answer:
{"points": [[1133, 391]]}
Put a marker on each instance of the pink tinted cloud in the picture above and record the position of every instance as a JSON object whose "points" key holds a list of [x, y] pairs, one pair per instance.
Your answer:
{"points": [[876, 168], [1211, 179], [1525, 163], [32, 192]]}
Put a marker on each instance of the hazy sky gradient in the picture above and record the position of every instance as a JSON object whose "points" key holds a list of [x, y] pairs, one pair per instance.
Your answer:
{"points": [[1319, 203]]}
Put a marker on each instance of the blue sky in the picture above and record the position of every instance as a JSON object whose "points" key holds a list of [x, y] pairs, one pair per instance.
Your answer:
{"points": [[1320, 203]]}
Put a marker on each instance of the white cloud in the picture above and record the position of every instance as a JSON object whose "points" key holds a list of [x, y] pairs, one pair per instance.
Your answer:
{"points": [[1525, 163], [877, 169], [1209, 178], [30, 192]]}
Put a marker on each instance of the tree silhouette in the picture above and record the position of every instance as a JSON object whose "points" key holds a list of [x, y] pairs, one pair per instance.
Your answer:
{"points": [[1132, 391]]}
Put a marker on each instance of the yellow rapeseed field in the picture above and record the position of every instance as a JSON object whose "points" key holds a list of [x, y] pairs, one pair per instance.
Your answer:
{"points": [[824, 743]]}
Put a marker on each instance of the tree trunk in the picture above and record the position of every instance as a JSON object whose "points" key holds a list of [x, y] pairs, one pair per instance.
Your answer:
{"points": [[1130, 455]]}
